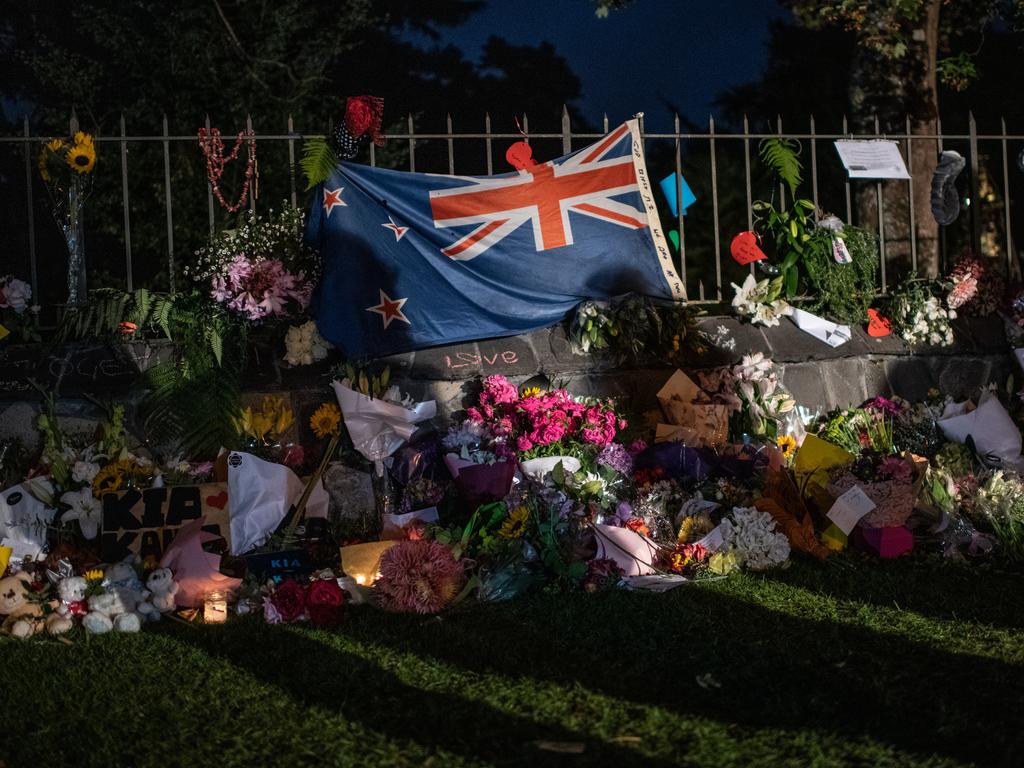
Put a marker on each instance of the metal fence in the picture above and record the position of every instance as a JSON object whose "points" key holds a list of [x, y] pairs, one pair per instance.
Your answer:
{"points": [[711, 157]]}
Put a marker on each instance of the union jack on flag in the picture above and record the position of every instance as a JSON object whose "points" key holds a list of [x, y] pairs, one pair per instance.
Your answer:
{"points": [[412, 260]]}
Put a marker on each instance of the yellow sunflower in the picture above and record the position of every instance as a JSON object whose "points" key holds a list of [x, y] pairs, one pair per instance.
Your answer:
{"points": [[46, 154], [515, 525], [116, 475], [325, 420], [787, 444], [81, 155], [532, 392], [93, 576]]}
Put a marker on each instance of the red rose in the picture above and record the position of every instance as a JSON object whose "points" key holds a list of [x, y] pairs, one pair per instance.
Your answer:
{"points": [[290, 600], [326, 602]]}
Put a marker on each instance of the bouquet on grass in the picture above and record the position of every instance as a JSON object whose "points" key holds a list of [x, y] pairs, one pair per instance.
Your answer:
{"points": [[888, 480]]}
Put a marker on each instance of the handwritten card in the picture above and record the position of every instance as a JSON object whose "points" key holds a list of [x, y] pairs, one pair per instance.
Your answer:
{"points": [[849, 508], [714, 540]]}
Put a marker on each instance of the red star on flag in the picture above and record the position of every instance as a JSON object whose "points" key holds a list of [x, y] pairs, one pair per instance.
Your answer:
{"points": [[332, 198], [389, 309], [399, 231]]}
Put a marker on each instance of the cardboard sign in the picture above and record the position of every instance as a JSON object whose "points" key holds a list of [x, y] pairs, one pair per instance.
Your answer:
{"points": [[744, 248], [145, 522]]}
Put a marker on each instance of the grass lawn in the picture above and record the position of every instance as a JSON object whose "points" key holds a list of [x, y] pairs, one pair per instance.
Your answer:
{"points": [[854, 662]]}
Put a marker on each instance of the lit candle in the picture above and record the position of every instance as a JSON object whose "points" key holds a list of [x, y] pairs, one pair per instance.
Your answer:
{"points": [[215, 607], [362, 561]]}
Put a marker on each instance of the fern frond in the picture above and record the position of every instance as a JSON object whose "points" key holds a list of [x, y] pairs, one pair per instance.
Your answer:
{"points": [[318, 161], [782, 156]]}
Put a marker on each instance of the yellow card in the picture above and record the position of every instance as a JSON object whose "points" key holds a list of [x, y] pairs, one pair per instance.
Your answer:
{"points": [[816, 457]]}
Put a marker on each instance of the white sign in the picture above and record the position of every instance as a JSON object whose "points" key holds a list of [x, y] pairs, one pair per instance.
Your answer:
{"points": [[714, 540], [875, 159], [849, 508]]}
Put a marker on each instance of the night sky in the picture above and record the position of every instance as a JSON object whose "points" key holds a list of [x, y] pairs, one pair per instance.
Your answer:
{"points": [[651, 55]]}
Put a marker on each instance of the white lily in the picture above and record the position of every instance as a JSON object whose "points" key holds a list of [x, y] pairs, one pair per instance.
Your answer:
{"points": [[86, 509]]}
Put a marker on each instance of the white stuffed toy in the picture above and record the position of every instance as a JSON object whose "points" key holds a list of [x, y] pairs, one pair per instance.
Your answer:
{"points": [[71, 592], [162, 588], [123, 582], [99, 620]]}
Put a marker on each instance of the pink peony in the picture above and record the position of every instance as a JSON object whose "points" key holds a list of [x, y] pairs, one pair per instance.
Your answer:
{"points": [[14, 294], [418, 577]]}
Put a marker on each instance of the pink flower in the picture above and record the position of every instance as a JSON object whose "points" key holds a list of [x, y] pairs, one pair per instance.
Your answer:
{"points": [[418, 577], [523, 443], [896, 468]]}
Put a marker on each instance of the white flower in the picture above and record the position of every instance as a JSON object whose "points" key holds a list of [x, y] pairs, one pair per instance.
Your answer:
{"points": [[742, 301], [86, 509], [951, 314], [14, 294], [752, 535], [769, 314], [84, 471], [304, 344]]}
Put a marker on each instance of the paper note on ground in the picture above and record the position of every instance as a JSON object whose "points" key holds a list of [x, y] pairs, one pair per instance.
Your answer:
{"points": [[850, 508]]}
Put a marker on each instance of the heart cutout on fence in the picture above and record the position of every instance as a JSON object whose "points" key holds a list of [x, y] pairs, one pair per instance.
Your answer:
{"points": [[878, 324], [744, 248], [520, 156]]}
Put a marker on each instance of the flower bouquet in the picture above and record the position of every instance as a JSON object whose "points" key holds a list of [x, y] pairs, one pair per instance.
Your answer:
{"points": [[887, 480], [918, 315], [481, 464], [550, 426], [66, 166], [261, 270], [757, 401], [975, 287], [761, 301]]}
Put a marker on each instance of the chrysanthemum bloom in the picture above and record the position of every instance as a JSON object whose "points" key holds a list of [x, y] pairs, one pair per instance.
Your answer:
{"points": [[418, 577]]}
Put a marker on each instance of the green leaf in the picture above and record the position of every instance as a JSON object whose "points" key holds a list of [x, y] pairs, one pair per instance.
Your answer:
{"points": [[780, 155], [789, 261], [792, 276], [318, 161], [216, 345]]}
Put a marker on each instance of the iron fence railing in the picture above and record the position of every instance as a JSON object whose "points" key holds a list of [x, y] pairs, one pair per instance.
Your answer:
{"points": [[702, 254]]}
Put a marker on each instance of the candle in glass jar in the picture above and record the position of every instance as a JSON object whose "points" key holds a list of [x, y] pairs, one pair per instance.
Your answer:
{"points": [[215, 607]]}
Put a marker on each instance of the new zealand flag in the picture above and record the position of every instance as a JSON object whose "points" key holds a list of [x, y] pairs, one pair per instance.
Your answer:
{"points": [[411, 260]]}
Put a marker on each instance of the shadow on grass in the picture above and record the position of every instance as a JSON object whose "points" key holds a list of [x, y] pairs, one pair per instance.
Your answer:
{"points": [[950, 591], [315, 674], [775, 671]]}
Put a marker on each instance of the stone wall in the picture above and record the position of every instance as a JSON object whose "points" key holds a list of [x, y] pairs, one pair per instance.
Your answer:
{"points": [[819, 376]]}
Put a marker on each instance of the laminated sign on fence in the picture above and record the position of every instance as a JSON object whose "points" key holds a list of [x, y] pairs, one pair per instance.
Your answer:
{"points": [[412, 259]]}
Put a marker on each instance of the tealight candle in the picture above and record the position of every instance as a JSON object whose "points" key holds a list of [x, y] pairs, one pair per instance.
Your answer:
{"points": [[215, 607]]}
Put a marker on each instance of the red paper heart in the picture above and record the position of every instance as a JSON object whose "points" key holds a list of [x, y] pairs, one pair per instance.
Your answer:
{"points": [[219, 501], [744, 248], [878, 325], [520, 156]]}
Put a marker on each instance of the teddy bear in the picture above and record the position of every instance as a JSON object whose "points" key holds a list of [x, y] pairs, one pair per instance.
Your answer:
{"points": [[71, 592], [162, 588], [123, 582], [24, 616], [106, 613]]}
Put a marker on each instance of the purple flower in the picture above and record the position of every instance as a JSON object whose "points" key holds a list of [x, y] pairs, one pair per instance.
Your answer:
{"points": [[616, 456]]}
